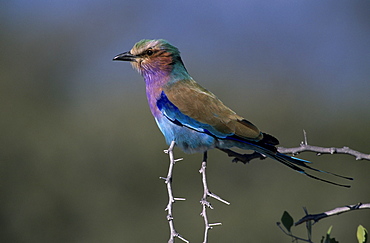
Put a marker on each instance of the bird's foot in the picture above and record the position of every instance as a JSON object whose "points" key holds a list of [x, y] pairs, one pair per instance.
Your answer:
{"points": [[244, 158]]}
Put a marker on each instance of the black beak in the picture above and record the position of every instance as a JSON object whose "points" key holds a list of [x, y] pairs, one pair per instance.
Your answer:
{"points": [[126, 56]]}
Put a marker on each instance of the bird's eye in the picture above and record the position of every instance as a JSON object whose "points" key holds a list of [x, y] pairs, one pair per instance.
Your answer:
{"points": [[149, 52]]}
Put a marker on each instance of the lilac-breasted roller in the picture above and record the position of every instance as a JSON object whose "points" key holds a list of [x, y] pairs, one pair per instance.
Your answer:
{"points": [[191, 115]]}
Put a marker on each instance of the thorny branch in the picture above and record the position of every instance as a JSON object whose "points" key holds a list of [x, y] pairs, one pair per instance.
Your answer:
{"points": [[206, 204], [303, 147], [335, 211], [311, 219], [321, 150], [294, 238], [245, 158], [171, 198]]}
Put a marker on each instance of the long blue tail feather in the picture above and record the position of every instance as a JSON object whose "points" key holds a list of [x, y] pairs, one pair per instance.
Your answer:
{"points": [[302, 162], [292, 162]]}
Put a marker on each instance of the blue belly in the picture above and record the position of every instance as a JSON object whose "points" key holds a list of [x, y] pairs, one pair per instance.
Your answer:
{"points": [[190, 141]]}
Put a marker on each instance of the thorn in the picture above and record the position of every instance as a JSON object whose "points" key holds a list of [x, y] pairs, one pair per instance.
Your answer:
{"points": [[181, 238], [214, 224], [166, 179], [305, 137], [179, 199], [218, 198], [201, 170]]}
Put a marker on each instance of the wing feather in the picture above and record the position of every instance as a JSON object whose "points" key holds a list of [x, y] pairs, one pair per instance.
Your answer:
{"points": [[207, 112]]}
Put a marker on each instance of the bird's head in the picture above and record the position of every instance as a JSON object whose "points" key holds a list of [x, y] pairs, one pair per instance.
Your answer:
{"points": [[152, 57]]}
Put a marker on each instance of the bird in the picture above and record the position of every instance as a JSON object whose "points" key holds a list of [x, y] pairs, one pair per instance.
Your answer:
{"points": [[193, 117]]}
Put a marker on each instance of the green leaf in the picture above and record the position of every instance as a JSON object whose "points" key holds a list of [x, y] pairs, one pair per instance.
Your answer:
{"points": [[361, 234], [287, 220], [328, 239], [329, 230]]}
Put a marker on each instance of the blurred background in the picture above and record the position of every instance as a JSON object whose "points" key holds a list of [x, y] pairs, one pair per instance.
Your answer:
{"points": [[81, 155]]}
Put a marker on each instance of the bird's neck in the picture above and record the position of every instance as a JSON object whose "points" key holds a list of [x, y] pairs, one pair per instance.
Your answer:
{"points": [[155, 81]]}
